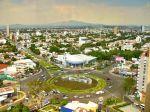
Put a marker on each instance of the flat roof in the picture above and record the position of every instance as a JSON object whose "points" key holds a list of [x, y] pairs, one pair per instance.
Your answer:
{"points": [[76, 104], [2, 66], [6, 90]]}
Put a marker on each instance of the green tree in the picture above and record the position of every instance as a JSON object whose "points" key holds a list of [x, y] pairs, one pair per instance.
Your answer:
{"points": [[129, 84], [19, 108], [54, 48], [137, 45], [6, 56], [1, 83], [37, 86]]}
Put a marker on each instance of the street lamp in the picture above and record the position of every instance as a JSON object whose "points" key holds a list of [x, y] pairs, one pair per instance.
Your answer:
{"points": [[100, 103]]}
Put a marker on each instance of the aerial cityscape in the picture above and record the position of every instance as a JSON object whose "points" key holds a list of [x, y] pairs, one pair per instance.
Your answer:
{"points": [[74, 56]]}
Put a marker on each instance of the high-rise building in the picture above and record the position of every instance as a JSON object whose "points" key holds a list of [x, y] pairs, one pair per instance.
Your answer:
{"points": [[143, 78], [7, 30], [147, 101], [145, 28], [116, 30]]}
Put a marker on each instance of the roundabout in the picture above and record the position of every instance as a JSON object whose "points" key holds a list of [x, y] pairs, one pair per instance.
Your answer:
{"points": [[77, 83]]}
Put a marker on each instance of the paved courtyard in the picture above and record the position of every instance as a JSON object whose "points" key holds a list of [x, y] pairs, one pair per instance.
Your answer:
{"points": [[130, 108]]}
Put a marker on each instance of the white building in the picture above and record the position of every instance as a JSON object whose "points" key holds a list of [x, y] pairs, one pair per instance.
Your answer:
{"points": [[23, 64], [10, 70], [2, 41], [138, 39], [7, 30], [83, 40], [145, 28], [17, 34], [127, 46], [76, 106], [143, 72], [77, 60], [38, 33]]}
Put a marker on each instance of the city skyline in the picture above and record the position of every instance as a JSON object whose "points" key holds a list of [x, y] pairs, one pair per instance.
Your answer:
{"points": [[96, 11]]}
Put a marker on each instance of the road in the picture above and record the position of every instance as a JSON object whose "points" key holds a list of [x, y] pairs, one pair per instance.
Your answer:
{"points": [[116, 82], [23, 83]]}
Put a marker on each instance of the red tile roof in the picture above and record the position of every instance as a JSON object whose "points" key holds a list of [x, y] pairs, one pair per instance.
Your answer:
{"points": [[2, 66]]}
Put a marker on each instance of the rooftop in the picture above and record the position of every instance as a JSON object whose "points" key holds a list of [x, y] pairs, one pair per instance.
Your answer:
{"points": [[2, 66]]}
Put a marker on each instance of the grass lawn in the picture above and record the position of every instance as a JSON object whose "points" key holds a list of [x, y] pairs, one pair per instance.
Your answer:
{"points": [[75, 85], [48, 66], [67, 86], [49, 108]]}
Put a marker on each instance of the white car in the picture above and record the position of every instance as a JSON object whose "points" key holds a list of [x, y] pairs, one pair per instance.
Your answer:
{"points": [[110, 87], [88, 96], [75, 96], [81, 97], [100, 92], [65, 97]]}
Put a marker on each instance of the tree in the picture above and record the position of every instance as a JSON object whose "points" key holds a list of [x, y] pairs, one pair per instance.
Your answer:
{"points": [[6, 56], [1, 83], [19, 108], [13, 59], [54, 48], [129, 84], [137, 45], [37, 86]]}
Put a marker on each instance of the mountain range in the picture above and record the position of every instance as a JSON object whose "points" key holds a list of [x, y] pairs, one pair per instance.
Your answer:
{"points": [[64, 24]]}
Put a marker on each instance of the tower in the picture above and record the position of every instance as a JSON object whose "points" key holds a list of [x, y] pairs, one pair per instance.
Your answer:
{"points": [[143, 78], [115, 30], [142, 28], [7, 30], [147, 101]]}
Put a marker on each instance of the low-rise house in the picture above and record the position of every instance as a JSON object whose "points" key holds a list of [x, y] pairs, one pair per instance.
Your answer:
{"points": [[127, 46], [5, 93], [2, 41], [83, 40], [23, 64], [76, 106]]}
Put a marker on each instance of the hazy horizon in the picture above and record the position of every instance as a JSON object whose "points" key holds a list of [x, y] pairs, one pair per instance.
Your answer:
{"points": [[109, 12]]}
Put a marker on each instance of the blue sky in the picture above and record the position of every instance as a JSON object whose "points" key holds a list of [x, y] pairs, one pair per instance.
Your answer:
{"points": [[95, 11]]}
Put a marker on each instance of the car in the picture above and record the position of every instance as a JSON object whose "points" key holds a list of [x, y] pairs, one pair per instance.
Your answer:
{"points": [[81, 97], [110, 87], [100, 92], [142, 106], [92, 68], [75, 96], [66, 97], [88, 96]]}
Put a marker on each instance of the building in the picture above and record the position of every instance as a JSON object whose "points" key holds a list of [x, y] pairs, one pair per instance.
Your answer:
{"points": [[38, 33], [7, 30], [115, 30], [147, 101], [3, 67], [143, 74], [76, 60], [83, 40], [127, 46], [2, 41], [138, 39], [145, 28], [22, 64], [5, 93], [76, 106]]}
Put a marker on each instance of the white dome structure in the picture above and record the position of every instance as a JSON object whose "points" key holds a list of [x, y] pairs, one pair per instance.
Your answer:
{"points": [[76, 60], [73, 59]]}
